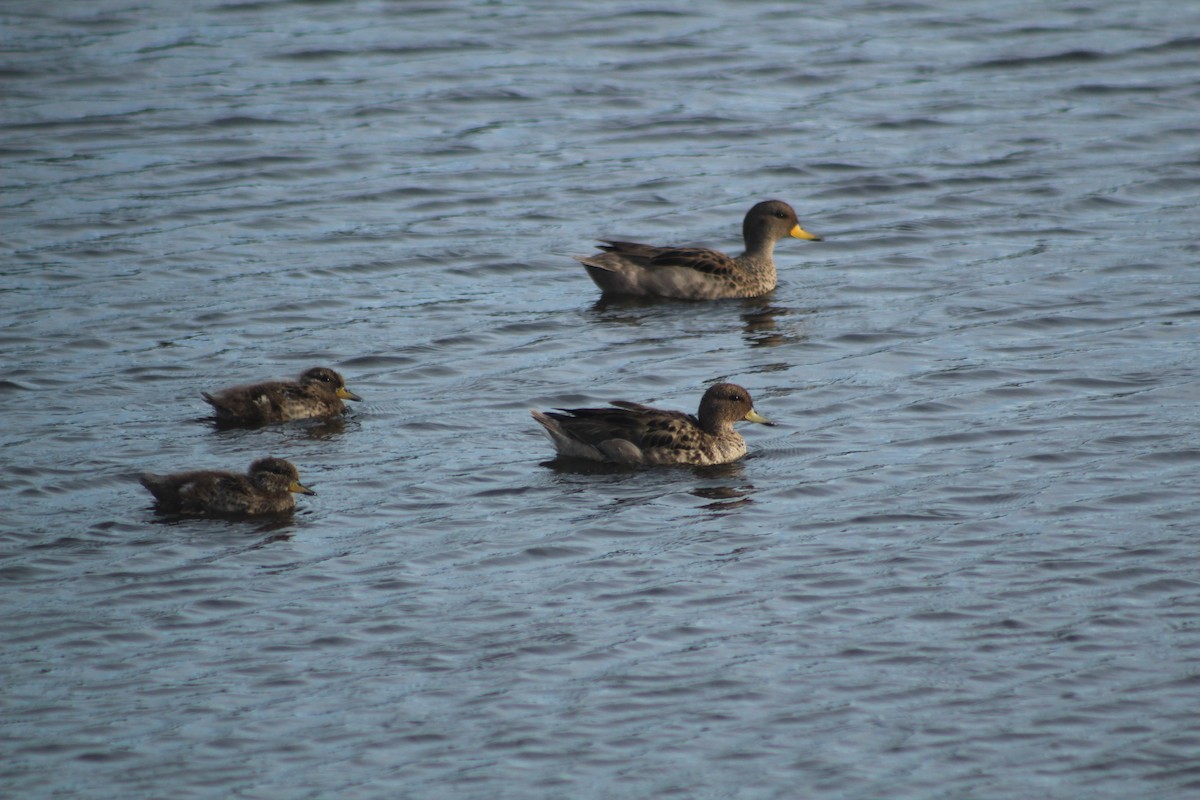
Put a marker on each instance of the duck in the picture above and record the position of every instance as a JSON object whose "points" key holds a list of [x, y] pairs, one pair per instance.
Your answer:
{"points": [[634, 434], [698, 273], [266, 488], [318, 392]]}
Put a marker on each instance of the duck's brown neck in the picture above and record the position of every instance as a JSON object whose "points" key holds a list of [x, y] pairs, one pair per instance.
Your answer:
{"points": [[715, 426], [759, 251]]}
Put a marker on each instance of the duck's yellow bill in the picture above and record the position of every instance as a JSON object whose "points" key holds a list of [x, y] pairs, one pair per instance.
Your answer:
{"points": [[800, 233], [346, 394], [754, 416], [299, 488]]}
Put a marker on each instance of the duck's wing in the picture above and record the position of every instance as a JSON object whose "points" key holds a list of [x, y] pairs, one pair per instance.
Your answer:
{"points": [[165, 488], [239, 400], [592, 426], [644, 426], [667, 429], [193, 492], [254, 403], [230, 403], [700, 259], [218, 493]]}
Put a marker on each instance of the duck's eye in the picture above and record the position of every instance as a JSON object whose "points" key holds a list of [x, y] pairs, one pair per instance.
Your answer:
{"points": [[780, 215]]}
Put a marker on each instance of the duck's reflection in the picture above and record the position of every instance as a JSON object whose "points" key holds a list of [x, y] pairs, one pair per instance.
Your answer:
{"points": [[565, 465], [761, 324], [724, 488], [271, 528], [728, 490], [724, 498], [308, 429], [764, 324]]}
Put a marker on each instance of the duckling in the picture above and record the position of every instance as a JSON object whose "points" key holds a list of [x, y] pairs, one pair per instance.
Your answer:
{"points": [[698, 273], [317, 393], [266, 488], [632, 433]]}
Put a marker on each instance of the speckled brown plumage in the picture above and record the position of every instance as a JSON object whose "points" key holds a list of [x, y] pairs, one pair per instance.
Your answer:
{"points": [[266, 488], [317, 393], [631, 433], [698, 273]]}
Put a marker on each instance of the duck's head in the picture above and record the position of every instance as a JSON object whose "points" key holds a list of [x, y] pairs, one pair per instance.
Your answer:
{"points": [[277, 475], [330, 378], [772, 220], [727, 403]]}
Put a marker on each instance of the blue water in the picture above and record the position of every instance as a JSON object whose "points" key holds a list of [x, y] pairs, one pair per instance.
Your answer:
{"points": [[962, 566]]}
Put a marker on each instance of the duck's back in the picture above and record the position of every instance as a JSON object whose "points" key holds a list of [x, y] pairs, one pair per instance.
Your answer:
{"points": [[631, 433], [685, 273], [206, 492], [275, 401], [181, 492]]}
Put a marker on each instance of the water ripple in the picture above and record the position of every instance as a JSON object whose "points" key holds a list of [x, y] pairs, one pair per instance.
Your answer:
{"points": [[965, 546]]}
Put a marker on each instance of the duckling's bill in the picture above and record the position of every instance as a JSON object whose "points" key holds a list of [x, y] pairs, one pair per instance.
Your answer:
{"points": [[346, 394], [754, 416], [800, 233], [298, 488]]}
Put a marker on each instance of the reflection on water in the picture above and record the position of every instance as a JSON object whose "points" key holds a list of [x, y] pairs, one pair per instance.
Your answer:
{"points": [[726, 497], [760, 318], [584, 466], [762, 327], [970, 533], [271, 527]]}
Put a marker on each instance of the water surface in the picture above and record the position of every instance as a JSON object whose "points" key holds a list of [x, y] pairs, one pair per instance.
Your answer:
{"points": [[963, 565]]}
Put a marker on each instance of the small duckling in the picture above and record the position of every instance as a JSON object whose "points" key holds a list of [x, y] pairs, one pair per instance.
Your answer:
{"points": [[632, 433], [318, 393], [266, 488]]}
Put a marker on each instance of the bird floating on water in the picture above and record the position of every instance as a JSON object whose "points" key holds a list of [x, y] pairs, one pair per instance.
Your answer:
{"points": [[318, 392], [631, 433], [699, 273], [266, 488]]}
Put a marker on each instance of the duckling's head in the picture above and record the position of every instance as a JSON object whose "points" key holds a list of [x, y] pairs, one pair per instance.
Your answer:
{"points": [[324, 376], [277, 475]]}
